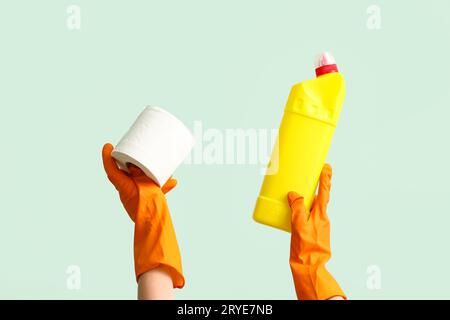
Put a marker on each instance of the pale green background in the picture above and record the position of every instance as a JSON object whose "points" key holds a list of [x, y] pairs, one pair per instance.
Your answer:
{"points": [[229, 64]]}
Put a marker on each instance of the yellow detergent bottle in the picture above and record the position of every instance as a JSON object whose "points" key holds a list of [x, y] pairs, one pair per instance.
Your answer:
{"points": [[310, 117]]}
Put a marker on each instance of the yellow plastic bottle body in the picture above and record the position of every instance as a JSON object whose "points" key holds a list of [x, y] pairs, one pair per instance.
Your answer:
{"points": [[304, 137]]}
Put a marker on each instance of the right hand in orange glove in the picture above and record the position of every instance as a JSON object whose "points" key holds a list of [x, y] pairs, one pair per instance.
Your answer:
{"points": [[310, 244], [155, 243]]}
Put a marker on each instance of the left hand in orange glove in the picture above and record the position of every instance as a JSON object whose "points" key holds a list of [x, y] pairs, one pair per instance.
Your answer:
{"points": [[310, 245], [155, 243]]}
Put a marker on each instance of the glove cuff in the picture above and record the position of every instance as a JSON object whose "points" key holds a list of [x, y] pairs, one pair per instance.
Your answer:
{"points": [[175, 273]]}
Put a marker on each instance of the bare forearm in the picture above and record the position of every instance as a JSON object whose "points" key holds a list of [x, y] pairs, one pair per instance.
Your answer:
{"points": [[337, 298], [155, 284]]}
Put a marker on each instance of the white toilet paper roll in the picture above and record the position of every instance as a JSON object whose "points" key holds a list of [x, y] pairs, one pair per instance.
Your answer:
{"points": [[157, 143]]}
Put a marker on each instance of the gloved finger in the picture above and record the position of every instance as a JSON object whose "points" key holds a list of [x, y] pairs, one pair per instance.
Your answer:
{"points": [[169, 185], [135, 171], [297, 204], [323, 195], [314, 202], [298, 220], [115, 175]]}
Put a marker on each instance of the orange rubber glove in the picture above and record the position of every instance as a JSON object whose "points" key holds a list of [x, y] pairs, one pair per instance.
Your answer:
{"points": [[310, 244], [155, 243]]}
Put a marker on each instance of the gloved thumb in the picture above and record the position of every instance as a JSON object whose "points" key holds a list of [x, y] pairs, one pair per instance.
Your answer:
{"points": [[169, 185]]}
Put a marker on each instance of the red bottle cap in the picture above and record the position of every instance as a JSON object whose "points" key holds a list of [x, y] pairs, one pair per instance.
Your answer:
{"points": [[325, 64], [326, 69]]}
